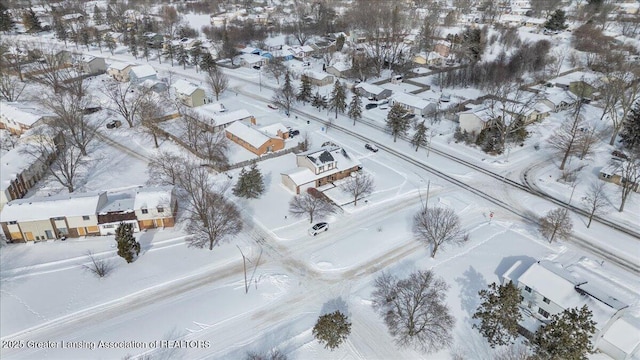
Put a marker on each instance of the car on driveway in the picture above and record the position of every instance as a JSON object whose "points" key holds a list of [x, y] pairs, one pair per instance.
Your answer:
{"points": [[371, 106], [114, 124], [293, 133], [371, 147], [318, 228]]}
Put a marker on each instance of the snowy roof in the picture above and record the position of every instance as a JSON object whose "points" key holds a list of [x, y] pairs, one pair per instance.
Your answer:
{"points": [[119, 66], [370, 88], [552, 281], [39, 208], [13, 163], [151, 197], [142, 71], [302, 175], [273, 129], [22, 113], [482, 112], [252, 136], [341, 66], [185, 87], [576, 76], [317, 75], [559, 96], [411, 100], [118, 202], [251, 58], [231, 116], [624, 334]]}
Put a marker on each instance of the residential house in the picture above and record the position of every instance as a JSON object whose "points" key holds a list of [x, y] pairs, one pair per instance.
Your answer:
{"points": [[217, 118], [154, 40], [533, 22], [613, 173], [413, 104], [155, 207], [548, 288], [475, 120], [558, 99], [18, 174], [18, 117], [93, 65], [579, 83], [254, 140], [319, 167], [431, 58], [52, 217], [251, 60], [119, 71], [442, 47], [141, 73], [319, 78], [302, 52], [277, 129], [118, 209], [339, 69], [536, 113], [189, 94], [372, 91]]}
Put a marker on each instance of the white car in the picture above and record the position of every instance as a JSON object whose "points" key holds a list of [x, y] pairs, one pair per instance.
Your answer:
{"points": [[318, 228]]}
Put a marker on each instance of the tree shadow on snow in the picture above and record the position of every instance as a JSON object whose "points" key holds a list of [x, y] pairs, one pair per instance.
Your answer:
{"points": [[145, 239], [335, 304], [470, 283]]}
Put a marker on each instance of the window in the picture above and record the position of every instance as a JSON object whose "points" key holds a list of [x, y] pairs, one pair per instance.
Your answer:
{"points": [[13, 222], [58, 218], [85, 217], [543, 312], [145, 211], [108, 226], [546, 300], [63, 231], [527, 289], [160, 209]]}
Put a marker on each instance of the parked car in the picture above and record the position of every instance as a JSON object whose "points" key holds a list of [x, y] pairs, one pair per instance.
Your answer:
{"points": [[91, 110], [256, 67], [293, 133], [272, 106], [371, 106], [114, 124], [383, 107], [620, 155], [318, 228], [371, 147]]}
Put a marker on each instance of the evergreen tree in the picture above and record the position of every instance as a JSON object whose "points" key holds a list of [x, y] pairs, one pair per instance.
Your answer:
{"points": [[285, 96], [567, 336], [110, 16], [319, 101], [146, 51], [397, 121], [133, 45], [355, 108], [196, 54], [60, 29], [304, 95], [420, 136], [332, 329], [207, 62], [6, 22], [630, 134], [338, 99], [557, 21], [31, 21], [128, 247], [499, 314], [250, 183], [182, 56], [85, 37], [98, 17]]}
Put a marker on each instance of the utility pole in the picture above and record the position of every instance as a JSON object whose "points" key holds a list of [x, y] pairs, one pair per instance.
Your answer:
{"points": [[244, 265]]}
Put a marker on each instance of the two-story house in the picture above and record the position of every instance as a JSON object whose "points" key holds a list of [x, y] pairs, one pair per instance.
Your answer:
{"points": [[141, 73], [18, 174], [119, 71], [18, 117], [189, 94], [155, 207], [319, 167]]}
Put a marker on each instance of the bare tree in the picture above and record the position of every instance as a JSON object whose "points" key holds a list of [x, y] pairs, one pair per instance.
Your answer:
{"points": [[437, 226], [358, 186], [556, 223], [96, 266], [10, 87], [165, 168], [276, 68], [514, 352], [273, 354], [309, 205], [566, 140], [219, 219], [595, 199], [54, 69], [151, 111], [126, 100], [214, 147], [69, 109], [217, 81], [625, 88], [414, 310], [629, 172], [50, 149]]}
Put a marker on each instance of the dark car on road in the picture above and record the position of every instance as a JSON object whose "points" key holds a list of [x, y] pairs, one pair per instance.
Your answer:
{"points": [[371, 106], [371, 147]]}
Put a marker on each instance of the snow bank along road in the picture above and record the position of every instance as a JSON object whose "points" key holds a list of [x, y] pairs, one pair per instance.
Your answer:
{"points": [[523, 213]]}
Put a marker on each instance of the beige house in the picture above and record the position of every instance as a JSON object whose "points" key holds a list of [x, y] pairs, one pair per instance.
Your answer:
{"points": [[613, 174], [119, 71], [254, 140], [319, 167], [18, 174], [52, 217], [319, 78], [340, 69], [189, 94], [19, 117], [155, 207]]}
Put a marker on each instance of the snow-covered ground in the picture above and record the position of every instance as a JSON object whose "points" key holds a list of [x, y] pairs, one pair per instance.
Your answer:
{"points": [[54, 308]]}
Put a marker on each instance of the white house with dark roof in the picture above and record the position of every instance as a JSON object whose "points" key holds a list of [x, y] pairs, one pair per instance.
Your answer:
{"points": [[318, 167], [141, 73]]}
